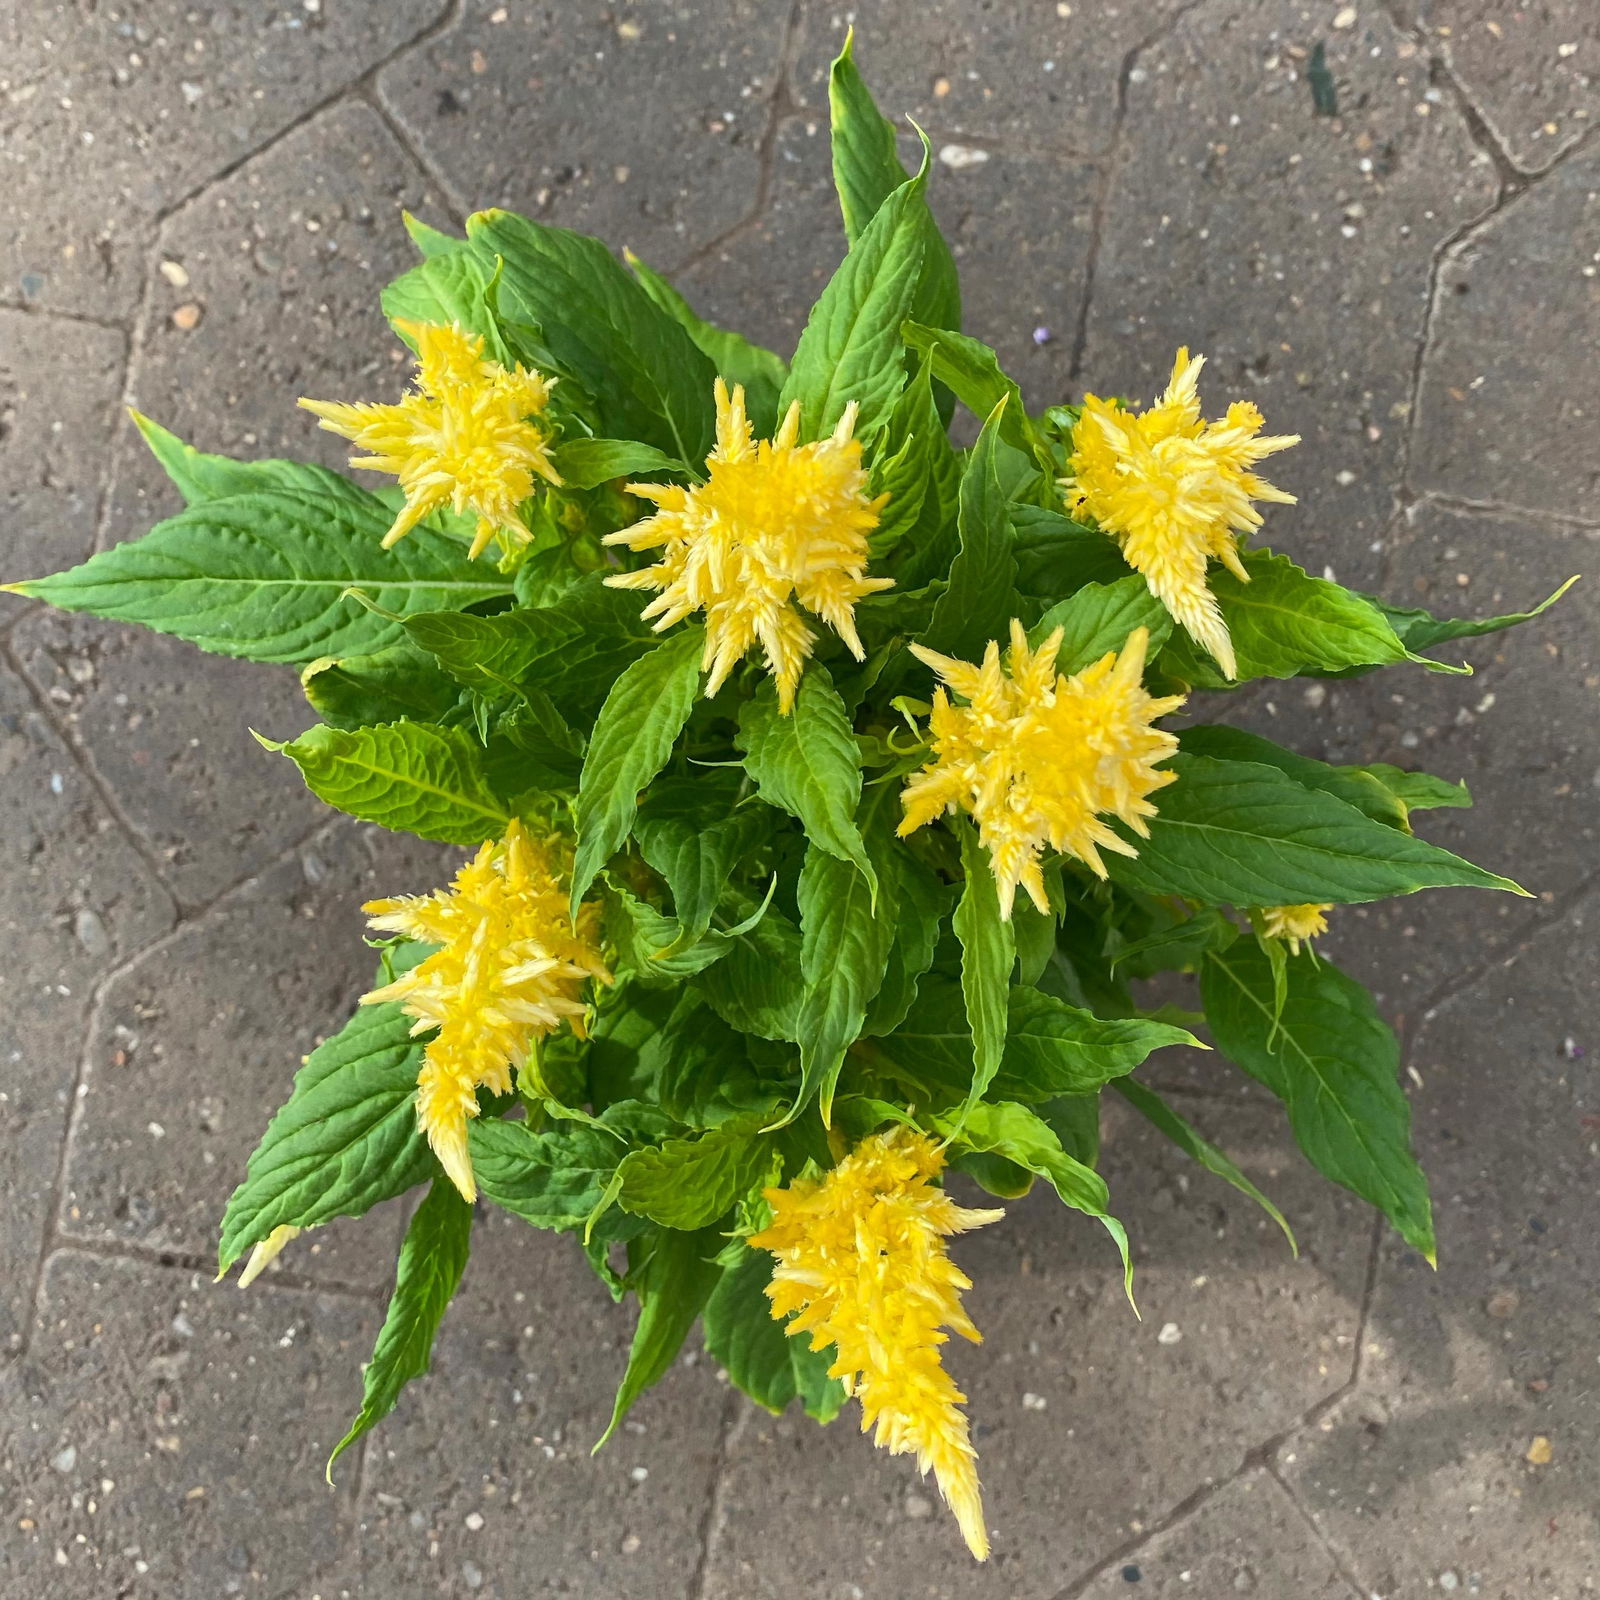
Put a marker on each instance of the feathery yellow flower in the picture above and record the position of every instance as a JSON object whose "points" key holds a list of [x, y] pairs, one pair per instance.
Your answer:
{"points": [[461, 437], [861, 1263], [1037, 758], [509, 969], [1175, 491], [776, 526], [1294, 924]]}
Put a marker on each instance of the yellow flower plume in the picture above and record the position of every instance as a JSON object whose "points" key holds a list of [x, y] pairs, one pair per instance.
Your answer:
{"points": [[1174, 491], [461, 437], [508, 970], [1295, 924], [1037, 758], [861, 1265], [776, 526]]}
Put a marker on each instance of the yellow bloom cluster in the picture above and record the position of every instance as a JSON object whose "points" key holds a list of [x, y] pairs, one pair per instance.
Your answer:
{"points": [[1175, 491], [1037, 758], [1295, 924], [777, 525], [862, 1266], [461, 437], [509, 969]]}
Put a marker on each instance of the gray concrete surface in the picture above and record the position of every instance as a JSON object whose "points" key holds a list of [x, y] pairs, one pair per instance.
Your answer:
{"points": [[199, 204]]}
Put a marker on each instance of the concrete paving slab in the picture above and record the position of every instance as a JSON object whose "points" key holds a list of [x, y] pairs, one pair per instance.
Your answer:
{"points": [[144, 1440], [75, 900], [1091, 1425], [114, 116], [1504, 416], [1318, 322], [196, 1044], [482, 1482], [640, 124], [1469, 1446]]}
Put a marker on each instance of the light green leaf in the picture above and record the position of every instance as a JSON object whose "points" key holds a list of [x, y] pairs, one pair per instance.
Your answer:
{"points": [[1240, 833], [199, 477], [387, 686], [673, 1275], [846, 933], [981, 599], [988, 953], [971, 371], [345, 1139], [1421, 630], [448, 288], [1053, 1049], [1098, 618], [1416, 791], [430, 241], [644, 371], [412, 777], [658, 949], [760, 1358], [263, 575], [553, 1179], [1154, 1109], [632, 741], [807, 763], [1020, 1135], [850, 349], [587, 463], [433, 1256], [691, 1182], [1335, 1064], [736, 359]]}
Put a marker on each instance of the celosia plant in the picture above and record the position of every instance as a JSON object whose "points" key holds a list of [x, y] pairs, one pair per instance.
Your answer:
{"points": [[758, 702]]}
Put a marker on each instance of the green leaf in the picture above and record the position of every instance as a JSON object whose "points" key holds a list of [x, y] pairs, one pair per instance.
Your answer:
{"points": [[971, 371], [345, 1139], [658, 949], [923, 901], [1240, 833], [263, 576], [1335, 1064], [867, 170], [1421, 630], [695, 845], [1178, 948], [553, 1179], [1154, 1109], [673, 1275], [760, 1358], [1283, 622], [412, 777], [807, 763], [632, 741], [988, 953], [199, 477], [587, 463], [448, 288], [846, 933], [1098, 618], [762, 372], [913, 458], [1020, 1135], [572, 651], [981, 600], [1053, 1049], [430, 241], [388, 686], [433, 1256], [1416, 791], [850, 349], [1057, 556], [757, 987], [1360, 789], [645, 373], [691, 1182], [701, 1071]]}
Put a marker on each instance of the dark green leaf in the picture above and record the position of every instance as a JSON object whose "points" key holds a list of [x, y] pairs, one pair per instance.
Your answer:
{"points": [[988, 953], [1057, 556], [807, 763], [971, 371], [345, 1139], [393, 684], [552, 1179], [1420, 630], [263, 575], [413, 777], [762, 372], [1052, 1048], [632, 741], [673, 1275], [981, 600], [757, 987], [433, 1255], [1151, 1106], [760, 1358], [645, 373], [1178, 948], [1240, 833], [923, 902], [1334, 1063], [695, 845], [1361, 789]]}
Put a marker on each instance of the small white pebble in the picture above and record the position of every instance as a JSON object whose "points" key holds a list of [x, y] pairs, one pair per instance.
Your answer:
{"points": [[1170, 1333], [958, 157], [1034, 1402], [639, 1474], [1345, 17], [474, 1520]]}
